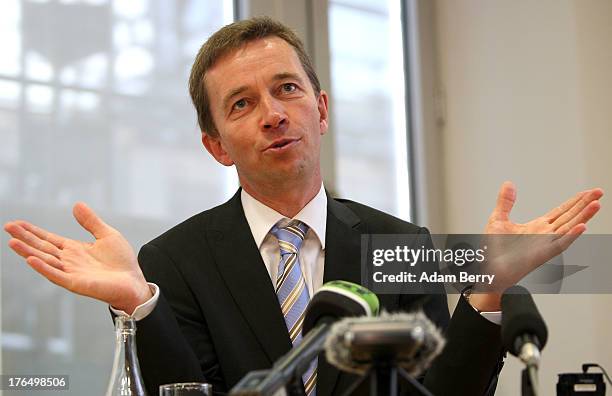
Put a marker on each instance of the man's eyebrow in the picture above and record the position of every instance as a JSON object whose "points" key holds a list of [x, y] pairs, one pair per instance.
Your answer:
{"points": [[232, 93], [287, 76]]}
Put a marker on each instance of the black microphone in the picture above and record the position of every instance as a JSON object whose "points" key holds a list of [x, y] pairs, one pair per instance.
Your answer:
{"points": [[332, 301], [523, 331]]}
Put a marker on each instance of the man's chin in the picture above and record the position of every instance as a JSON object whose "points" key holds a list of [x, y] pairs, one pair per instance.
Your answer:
{"points": [[288, 172]]}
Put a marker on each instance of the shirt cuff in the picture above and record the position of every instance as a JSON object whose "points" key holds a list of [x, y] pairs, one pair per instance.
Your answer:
{"points": [[144, 309], [492, 316]]}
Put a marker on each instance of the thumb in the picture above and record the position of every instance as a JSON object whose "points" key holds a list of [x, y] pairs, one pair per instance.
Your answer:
{"points": [[505, 201], [90, 221]]}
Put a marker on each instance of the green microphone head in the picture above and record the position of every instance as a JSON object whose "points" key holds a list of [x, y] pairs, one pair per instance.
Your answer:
{"points": [[339, 299], [358, 292]]}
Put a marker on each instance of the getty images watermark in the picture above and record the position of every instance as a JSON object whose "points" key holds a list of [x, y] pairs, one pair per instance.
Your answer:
{"points": [[411, 256], [423, 263]]}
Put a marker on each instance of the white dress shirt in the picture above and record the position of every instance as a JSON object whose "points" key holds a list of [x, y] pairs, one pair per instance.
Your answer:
{"points": [[261, 219]]}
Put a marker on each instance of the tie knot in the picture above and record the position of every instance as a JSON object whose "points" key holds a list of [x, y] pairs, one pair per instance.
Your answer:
{"points": [[291, 236]]}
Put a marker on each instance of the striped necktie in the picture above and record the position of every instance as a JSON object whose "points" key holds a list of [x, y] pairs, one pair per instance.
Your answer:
{"points": [[292, 291]]}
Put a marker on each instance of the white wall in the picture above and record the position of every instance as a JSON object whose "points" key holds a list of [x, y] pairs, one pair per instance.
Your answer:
{"points": [[528, 97]]}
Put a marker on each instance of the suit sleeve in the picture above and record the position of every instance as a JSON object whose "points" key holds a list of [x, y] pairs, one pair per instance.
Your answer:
{"points": [[471, 360], [174, 342], [472, 357]]}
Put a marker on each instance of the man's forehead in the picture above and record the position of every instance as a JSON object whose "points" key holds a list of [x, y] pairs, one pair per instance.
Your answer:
{"points": [[269, 43], [272, 53], [268, 46]]}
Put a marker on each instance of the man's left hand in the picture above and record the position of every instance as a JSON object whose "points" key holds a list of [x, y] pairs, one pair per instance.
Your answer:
{"points": [[509, 259]]}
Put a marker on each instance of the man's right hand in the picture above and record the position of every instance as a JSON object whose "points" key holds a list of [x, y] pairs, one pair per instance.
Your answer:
{"points": [[106, 269]]}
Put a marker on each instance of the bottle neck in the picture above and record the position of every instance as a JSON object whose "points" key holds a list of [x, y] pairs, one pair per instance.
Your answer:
{"points": [[125, 325], [126, 378], [125, 333]]}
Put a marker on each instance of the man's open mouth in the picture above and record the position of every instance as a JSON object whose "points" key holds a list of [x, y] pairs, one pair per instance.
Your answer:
{"points": [[281, 144]]}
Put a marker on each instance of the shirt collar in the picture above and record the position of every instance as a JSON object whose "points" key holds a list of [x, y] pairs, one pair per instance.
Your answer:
{"points": [[261, 218]]}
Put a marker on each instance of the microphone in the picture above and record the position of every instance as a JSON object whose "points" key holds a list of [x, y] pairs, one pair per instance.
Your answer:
{"points": [[409, 340], [523, 331], [332, 301], [339, 299], [524, 334]]}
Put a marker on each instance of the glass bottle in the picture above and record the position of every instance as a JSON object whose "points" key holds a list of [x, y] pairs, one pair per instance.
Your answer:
{"points": [[125, 379]]}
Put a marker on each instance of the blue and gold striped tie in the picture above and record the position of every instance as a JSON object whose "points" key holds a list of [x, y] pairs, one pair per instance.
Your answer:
{"points": [[292, 291]]}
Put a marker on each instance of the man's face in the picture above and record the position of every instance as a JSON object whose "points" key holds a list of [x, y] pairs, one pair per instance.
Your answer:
{"points": [[269, 119]]}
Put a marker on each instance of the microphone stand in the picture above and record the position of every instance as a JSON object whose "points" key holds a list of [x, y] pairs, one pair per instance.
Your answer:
{"points": [[383, 377], [529, 384], [416, 386], [530, 356]]}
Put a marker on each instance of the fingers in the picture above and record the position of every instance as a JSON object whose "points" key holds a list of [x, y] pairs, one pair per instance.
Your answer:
{"points": [[564, 241], [576, 213], [583, 217], [55, 275], [564, 207], [90, 221], [43, 234], [505, 201], [19, 231], [26, 251]]}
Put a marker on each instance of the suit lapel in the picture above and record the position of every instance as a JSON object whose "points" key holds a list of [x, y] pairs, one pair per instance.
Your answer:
{"points": [[342, 262], [342, 244], [245, 275]]}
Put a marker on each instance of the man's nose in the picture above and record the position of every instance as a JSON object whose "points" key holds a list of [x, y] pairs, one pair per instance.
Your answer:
{"points": [[273, 114]]}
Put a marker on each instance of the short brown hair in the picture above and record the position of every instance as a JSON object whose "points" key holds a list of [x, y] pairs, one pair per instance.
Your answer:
{"points": [[232, 37]]}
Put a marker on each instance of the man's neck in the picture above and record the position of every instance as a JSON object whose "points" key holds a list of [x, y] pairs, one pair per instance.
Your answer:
{"points": [[287, 199]]}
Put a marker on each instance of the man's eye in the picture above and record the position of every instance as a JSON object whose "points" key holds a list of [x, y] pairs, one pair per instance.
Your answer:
{"points": [[289, 87], [239, 105]]}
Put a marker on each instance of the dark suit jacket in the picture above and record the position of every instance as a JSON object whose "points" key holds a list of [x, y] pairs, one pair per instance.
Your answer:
{"points": [[218, 316]]}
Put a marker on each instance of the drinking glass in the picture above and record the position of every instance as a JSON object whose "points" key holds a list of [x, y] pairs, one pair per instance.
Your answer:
{"points": [[186, 389]]}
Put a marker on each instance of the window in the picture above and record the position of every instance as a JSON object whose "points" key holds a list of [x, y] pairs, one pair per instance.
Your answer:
{"points": [[367, 103], [94, 107]]}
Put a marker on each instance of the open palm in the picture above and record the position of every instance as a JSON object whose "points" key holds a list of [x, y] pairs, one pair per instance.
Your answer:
{"points": [[106, 269], [514, 250]]}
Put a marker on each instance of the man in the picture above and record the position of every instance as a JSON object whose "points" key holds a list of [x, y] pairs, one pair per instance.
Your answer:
{"points": [[214, 309]]}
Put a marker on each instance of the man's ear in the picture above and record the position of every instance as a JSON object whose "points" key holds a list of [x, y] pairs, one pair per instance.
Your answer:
{"points": [[215, 148], [322, 103]]}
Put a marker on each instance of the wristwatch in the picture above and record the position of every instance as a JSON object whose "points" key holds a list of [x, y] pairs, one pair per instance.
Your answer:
{"points": [[491, 316], [467, 293]]}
